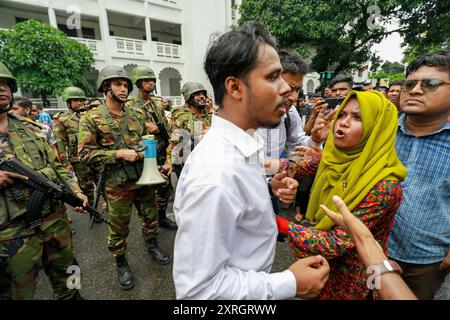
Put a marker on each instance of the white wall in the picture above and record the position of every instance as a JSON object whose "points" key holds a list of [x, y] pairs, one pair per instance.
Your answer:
{"points": [[201, 21], [8, 16]]}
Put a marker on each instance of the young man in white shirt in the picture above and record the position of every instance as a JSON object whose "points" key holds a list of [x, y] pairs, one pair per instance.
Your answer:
{"points": [[225, 244]]}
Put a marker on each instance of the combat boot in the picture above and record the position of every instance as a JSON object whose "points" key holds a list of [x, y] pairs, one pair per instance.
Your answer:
{"points": [[155, 251], [165, 222], [124, 275]]}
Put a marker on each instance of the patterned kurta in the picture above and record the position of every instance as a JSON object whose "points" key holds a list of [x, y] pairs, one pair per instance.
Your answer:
{"points": [[376, 211]]}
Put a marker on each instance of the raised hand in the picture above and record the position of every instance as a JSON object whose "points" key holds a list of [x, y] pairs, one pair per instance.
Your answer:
{"points": [[284, 188]]}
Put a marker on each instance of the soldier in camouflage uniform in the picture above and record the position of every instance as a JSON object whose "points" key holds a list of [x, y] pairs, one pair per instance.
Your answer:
{"points": [[66, 132], [109, 137], [189, 123], [152, 106], [25, 249]]}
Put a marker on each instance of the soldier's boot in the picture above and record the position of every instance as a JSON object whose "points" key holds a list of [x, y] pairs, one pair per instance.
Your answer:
{"points": [[165, 222], [124, 275], [155, 251]]}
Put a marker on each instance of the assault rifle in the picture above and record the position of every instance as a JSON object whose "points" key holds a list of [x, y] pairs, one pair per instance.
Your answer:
{"points": [[42, 190], [164, 134]]}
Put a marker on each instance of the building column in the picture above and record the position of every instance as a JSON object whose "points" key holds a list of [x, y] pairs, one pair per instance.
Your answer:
{"points": [[148, 28], [52, 17], [104, 31]]}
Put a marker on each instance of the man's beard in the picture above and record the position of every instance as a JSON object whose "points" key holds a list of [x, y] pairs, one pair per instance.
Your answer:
{"points": [[5, 108], [199, 106], [267, 125]]}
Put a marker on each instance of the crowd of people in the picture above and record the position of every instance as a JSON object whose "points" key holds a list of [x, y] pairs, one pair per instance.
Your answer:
{"points": [[378, 156]]}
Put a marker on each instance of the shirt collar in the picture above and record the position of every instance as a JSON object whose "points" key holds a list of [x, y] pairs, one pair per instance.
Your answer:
{"points": [[402, 126], [246, 143]]}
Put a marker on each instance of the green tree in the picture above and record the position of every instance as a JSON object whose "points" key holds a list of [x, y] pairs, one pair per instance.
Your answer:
{"points": [[339, 34], [392, 67], [44, 59], [391, 76], [428, 27]]}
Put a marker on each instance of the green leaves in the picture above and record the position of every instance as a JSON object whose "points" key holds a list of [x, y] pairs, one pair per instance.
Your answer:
{"points": [[44, 59], [337, 33]]}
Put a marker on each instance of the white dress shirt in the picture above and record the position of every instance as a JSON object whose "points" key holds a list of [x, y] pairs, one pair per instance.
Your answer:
{"points": [[225, 243], [276, 139]]}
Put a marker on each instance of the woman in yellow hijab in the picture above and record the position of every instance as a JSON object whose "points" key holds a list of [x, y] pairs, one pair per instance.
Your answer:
{"points": [[359, 164]]}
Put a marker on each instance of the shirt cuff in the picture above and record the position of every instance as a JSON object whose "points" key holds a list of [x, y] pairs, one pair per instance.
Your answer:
{"points": [[284, 285]]}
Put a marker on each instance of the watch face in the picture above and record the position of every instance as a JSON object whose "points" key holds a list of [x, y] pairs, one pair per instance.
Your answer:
{"points": [[388, 265]]}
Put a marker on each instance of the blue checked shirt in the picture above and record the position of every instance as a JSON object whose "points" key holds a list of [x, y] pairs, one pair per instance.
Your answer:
{"points": [[421, 231], [44, 117]]}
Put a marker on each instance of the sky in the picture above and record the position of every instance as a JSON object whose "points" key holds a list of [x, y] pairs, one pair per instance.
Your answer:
{"points": [[389, 49]]}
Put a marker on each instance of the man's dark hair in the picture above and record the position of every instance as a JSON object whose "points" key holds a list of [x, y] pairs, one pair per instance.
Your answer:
{"points": [[395, 83], [342, 78], [40, 107], [292, 62], [440, 60], [24, 102], [235, 54]]}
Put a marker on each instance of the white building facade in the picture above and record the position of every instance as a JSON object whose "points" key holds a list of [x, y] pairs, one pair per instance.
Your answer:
{"points": [[170, 36]]}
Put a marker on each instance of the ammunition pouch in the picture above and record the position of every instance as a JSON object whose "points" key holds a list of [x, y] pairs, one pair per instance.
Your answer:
{"points": [[122, 172]]}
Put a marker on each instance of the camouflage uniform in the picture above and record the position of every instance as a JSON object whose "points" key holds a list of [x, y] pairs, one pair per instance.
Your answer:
{"points": [[97, 147], [186, 132], [24, 250], [154, 108], [66, 132]]}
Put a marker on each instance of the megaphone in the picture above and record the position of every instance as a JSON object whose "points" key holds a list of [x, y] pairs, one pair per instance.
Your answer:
{"points": [[150, 175]]}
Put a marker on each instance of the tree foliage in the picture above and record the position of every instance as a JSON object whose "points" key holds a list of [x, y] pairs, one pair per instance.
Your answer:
{"points": [[339, 34], [44, 59]]}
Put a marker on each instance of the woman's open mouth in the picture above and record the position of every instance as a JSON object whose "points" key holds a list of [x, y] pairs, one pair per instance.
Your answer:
{"points": [[339, 134]]}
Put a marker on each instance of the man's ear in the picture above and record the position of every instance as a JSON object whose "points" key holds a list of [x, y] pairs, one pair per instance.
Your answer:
{"points": [[234, 87]]}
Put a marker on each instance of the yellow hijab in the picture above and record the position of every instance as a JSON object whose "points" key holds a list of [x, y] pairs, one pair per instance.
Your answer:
{"points": [[351, 174]]}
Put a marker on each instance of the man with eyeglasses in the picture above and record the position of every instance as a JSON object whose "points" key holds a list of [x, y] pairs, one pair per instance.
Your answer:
{"points": [[420, 237]]}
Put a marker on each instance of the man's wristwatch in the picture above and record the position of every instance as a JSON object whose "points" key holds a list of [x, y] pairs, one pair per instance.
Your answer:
{"points": [[382, 268]]}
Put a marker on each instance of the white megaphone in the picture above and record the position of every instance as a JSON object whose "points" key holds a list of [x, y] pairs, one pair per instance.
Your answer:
{"points": [[150, 175]]}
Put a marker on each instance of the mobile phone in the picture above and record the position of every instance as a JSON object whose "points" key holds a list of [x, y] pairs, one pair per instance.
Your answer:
{"points": [[333, 102]]}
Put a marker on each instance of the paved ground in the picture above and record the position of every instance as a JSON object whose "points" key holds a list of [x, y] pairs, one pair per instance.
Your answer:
{"points": [[153, 281]]}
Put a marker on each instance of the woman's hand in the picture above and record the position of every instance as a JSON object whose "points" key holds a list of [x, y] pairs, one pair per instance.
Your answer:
{"points": [[369, 250]]}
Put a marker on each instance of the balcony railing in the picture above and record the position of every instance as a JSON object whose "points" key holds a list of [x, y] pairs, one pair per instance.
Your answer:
{"points": [[167, 50], [171, 1], [134, 48], [129, 46], [96, 46]]}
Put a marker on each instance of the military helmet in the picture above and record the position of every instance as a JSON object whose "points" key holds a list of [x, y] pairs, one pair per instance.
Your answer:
{"points": [[4, 73], [111, 72], [190, 88], [142, 73], [73, 93]]}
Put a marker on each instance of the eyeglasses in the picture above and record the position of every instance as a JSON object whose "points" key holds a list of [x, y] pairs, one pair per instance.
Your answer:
{"points": [[426, 84]]}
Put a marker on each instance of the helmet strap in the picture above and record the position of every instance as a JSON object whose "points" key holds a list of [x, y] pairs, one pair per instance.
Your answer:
{"points": [[6, 109], [116, 98], [10, 105]]}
